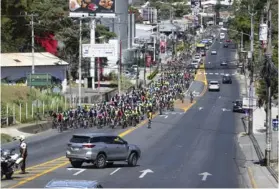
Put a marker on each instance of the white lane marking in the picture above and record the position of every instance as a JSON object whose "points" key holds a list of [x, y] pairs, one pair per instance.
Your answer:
{"points": [[200, 108], [216, 73], [165, 116], [205, 175], [115, 171], [205, 73], [222, 74], [76, 169], [144, 172], [210, 73]]}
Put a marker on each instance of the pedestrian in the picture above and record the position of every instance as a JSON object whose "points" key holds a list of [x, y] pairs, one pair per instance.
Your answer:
{"points": [[23, 153]]}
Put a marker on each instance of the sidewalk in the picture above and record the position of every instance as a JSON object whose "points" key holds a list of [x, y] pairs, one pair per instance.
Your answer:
{"points": [[253, 146], [260, 134]]}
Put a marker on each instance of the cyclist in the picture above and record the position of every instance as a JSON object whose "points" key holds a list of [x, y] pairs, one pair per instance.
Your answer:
{"points": [[149, 116]]}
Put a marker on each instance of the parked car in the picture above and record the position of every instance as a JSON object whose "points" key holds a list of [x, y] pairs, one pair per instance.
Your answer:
{"points": [[101, 149], [238, 106]]}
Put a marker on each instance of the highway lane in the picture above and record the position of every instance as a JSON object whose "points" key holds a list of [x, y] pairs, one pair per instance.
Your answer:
{"points": [[51, 145], [178, 148]]}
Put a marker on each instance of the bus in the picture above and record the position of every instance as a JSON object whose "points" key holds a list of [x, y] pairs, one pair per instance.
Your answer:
{"points": [[200, 48]]}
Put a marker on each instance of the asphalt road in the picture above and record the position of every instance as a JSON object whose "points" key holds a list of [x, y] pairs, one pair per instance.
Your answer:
{"points": [[179, 147]]}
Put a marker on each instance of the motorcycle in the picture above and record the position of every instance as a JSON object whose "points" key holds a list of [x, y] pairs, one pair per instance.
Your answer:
{"points": [[9, 161]]}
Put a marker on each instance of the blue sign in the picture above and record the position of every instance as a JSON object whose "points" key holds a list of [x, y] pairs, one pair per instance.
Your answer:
{"points": [[275, 124]]}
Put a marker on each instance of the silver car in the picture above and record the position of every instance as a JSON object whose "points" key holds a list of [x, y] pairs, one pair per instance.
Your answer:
{"points": [[73, 184], [101, 149]]}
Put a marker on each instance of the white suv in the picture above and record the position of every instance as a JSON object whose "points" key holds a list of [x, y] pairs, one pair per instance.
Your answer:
{"points": [[214, 86]]}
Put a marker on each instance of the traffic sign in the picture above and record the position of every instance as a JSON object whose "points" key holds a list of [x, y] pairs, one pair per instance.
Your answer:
{"points": [[275, 124], [39, 80]]}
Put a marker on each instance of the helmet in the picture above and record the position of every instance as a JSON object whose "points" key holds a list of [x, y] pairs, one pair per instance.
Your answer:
{"points": [[21, 137]]}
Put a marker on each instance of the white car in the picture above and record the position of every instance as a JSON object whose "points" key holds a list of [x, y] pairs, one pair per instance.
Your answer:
{"points": [[198, 58], [195, 64], [213, 52], [222, 36], [214, 86]]}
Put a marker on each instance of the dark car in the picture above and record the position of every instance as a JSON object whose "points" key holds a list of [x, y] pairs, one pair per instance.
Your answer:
{"points": [[224, 63], [227, 79], [226, 45], [237, 106]]}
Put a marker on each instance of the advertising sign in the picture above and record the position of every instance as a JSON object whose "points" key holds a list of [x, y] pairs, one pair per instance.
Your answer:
{"points": [[85, 8], [163, 45], [39, 80], [148, 60], [99, 50], [86, 51], [263, 32], [246, 103]]}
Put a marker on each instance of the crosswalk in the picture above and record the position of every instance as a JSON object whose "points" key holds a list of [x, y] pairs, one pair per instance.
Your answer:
{"points": [[210, 73]]}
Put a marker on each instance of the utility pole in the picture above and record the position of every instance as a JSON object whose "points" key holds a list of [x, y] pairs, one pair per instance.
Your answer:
{"points": [[268, 81], [119, 62], [251, 59], [144, 58], [79, 62], [92, 59], [33, 36]]}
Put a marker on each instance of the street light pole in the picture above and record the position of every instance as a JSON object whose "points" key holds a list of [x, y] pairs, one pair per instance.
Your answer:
{"points": [[79, 63]]}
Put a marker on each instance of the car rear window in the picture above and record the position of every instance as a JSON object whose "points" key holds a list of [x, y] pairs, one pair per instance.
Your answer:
{"points": [[80, 139], [213, 83]]}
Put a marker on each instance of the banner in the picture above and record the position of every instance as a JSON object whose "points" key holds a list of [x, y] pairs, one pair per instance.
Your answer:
{"points": [[91, 7], [163, 46]]}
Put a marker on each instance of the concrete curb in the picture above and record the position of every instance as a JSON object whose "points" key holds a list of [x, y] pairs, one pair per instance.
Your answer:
{"points": [[260, 153]]}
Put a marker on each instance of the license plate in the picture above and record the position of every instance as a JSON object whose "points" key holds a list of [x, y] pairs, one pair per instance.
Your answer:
{"points": [[75, 149]]}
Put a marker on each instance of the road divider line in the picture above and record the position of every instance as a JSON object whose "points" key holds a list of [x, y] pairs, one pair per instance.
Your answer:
{"points": [[42, 164], [39, 175], [189, 106], [115, 171], [252, 180]]}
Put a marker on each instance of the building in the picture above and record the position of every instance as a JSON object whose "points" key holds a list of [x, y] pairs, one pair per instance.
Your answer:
{"points": [[16, 66]]}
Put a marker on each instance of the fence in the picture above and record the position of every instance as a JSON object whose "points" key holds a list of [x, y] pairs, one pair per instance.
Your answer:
{"points": [[13, 113]]}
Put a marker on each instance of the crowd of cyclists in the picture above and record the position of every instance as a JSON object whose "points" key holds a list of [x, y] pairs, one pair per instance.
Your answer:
{"points": [[130, 108]]}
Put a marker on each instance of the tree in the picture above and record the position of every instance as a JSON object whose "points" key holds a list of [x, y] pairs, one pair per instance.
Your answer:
{"points": [[241, 23], [52, 23]]}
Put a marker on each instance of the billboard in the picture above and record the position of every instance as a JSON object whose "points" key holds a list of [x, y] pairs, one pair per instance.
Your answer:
{"points": [[83, 8], [99, 50], [195, 3]]}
